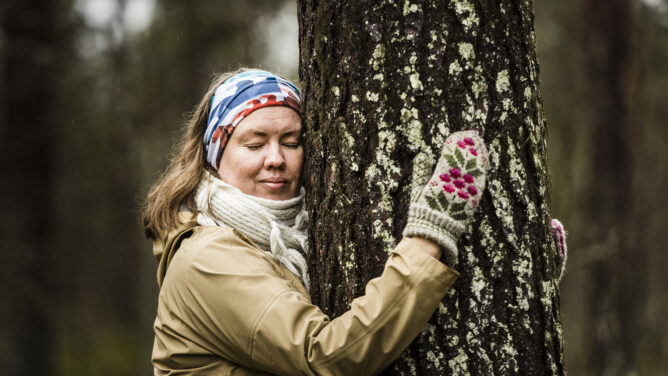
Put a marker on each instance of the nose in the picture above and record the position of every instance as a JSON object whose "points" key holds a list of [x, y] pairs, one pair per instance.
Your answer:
{"points": [[274, 157]]}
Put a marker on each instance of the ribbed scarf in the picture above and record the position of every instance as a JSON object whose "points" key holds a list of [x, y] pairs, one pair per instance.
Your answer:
{"points": [[278, 227]]}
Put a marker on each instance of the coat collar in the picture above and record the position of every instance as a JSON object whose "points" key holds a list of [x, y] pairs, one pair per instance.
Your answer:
{"points": [[164, 248]]}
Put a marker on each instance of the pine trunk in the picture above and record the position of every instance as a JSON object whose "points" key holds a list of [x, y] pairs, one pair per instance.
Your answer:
{"points": [[384, 83]]}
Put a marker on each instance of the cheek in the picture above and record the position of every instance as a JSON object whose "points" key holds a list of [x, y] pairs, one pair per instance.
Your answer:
{"points": [[249, 166], [239, 164], [297, 160]]}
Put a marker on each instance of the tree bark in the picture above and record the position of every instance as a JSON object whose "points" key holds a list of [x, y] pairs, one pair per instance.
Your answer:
{"points": [[384, 83]]}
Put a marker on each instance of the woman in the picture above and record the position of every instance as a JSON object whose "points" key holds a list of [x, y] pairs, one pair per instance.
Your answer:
{"points": [[229, 230]]}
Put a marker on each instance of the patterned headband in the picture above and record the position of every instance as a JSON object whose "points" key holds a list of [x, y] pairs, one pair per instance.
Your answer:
{"points": [[236, 98]]}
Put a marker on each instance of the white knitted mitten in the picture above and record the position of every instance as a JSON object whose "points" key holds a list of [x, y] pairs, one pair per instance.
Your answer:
{"points": [[446, 204]]}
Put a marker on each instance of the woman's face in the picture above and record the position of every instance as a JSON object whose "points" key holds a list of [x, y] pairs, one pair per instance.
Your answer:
{"points": [[264, 156]]}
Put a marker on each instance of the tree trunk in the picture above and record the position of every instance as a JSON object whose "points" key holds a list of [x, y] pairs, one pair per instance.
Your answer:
{"points": [[618, 276], [384, 83], [32, 39]]}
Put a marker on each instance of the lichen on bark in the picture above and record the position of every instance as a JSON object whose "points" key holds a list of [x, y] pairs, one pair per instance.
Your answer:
{"points": [[406, 74]]}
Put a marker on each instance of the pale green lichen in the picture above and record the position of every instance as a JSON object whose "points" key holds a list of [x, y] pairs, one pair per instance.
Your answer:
{"points": [[354, 98], [387, 140], [546, 298], [507, 106], [459, 364], [478, 283], [335, 91], [373, 97], [411, 127], [502, 81], [358, 117], [415, 81], [466, 51], [349, 264], [383, 166], [466, 9], [454, 68], [435, 360], [377, 57], [350, 140], [506, 103], [410, 8], [378, 52], [527, 93], [500, 199]]}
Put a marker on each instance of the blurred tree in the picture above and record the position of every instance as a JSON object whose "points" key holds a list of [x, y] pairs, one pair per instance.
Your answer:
{"points": [[383, 85], [618, 275], [36, 39], [605, 83]]}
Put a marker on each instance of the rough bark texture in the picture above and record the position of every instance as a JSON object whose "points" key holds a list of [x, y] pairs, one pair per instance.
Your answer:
{"points": [[384, 83]]}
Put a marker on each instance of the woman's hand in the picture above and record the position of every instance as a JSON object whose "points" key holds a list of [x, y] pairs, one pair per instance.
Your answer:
{"points": [[433, 249], [448, 201]]}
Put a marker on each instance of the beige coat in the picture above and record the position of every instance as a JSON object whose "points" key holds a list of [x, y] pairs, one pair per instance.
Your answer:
{"points": [[227, 308]]}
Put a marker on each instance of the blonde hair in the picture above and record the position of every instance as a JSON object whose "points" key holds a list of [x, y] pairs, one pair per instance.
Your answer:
{"points": [[177, 184]]}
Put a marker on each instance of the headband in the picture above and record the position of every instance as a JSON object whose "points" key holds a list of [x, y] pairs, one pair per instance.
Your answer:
{"points": [[236, 98]]}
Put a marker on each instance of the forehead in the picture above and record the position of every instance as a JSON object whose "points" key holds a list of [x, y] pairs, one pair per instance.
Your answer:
{"points": [[273, 119]]}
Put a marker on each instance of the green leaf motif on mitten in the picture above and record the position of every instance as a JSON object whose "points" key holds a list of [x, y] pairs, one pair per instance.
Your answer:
{"points": [[437, 202], [432, 203], [460, 157], [451, 160], [461, 216], [475, 173], [457, 207], [443, 201]]}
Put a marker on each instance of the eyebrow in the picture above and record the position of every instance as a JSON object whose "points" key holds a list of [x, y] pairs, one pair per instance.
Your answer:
{"points": [[286, 134]]}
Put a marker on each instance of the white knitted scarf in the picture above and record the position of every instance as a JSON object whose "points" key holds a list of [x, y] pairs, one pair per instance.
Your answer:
{"points": [[278, 227]]}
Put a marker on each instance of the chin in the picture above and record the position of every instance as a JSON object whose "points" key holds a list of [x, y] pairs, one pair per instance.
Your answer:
{"points": [[278, 196]]}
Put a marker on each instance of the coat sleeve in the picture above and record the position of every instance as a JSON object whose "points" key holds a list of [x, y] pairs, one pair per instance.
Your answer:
{"points": [[251, 316]]}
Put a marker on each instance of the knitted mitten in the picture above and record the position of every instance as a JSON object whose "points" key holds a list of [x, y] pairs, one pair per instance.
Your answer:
{"points": [[446, 204], [559, 237]]}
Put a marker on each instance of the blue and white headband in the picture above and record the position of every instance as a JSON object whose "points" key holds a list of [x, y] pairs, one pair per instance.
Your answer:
{"points": [[236, 98]]}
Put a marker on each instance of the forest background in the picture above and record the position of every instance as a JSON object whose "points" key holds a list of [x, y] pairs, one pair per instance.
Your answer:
{"points": [[93, 93]]}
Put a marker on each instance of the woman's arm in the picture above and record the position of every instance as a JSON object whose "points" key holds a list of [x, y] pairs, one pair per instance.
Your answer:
{"points": [[433, 249], [227, 297]]}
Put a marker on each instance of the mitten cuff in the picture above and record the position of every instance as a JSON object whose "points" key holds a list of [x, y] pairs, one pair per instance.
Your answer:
{"points": [[435, 226]]}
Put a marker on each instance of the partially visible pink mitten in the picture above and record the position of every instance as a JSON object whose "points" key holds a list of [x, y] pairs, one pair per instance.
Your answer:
{"points": [[559, 236]]}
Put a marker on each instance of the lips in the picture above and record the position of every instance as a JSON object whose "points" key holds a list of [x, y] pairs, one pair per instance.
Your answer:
{"points": [[274, 183]]}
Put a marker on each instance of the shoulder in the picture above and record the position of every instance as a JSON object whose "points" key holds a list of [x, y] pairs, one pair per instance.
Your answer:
{"points": [[222, 249]]}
